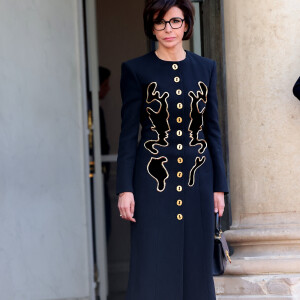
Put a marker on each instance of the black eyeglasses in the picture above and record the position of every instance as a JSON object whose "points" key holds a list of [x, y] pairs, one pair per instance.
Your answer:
{"points": [[175, 23]]}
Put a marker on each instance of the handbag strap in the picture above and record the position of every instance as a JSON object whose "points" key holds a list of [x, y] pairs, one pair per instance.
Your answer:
{"points": [[220, 236], [217, 223]]}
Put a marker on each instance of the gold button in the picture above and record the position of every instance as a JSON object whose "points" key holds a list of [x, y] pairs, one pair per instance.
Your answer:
{"points": [[179, 174], [176, 79], [175, 66], [179, 216], [179, 132], [179, 105], [179, 119], [179, 188], [180, 160], [178, 92], [179, 202], [179, 146]]}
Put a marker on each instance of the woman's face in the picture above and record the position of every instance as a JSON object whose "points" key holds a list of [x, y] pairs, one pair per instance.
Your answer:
{"points": [[170, 37]]}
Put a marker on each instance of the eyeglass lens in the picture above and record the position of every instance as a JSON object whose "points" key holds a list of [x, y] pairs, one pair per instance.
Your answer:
{"points": [[174, 22]]}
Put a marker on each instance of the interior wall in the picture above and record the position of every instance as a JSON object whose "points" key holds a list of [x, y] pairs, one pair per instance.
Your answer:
{"points": [[120, 37]]}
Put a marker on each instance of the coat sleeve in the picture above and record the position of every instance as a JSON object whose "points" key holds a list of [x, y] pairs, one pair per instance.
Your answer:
{"points": [[213, 135], [131, 93]]}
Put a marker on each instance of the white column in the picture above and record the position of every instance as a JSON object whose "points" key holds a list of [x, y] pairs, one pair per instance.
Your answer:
{"points": [[262, 64]]}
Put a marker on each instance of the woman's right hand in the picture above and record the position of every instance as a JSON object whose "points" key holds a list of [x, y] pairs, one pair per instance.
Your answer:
{"points": [[126, 205]]}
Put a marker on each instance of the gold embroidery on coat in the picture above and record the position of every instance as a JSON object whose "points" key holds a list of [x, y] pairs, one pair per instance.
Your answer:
{"points": [[159, 119], [195, 127], [198, 163], [158, 171], [196, 116]]}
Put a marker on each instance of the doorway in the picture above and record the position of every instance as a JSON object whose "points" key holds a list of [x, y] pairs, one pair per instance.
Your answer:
{"points": [[120, 36]]}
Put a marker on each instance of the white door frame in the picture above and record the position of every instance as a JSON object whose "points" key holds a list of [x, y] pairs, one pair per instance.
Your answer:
{"points": [[81, 25], [99, 205]]}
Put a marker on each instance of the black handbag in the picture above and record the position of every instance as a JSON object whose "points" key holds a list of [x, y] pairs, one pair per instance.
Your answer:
{"points": [[221, 250]]}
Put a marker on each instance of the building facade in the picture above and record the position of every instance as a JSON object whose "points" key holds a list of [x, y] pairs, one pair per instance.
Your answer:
{"points": [[52, 224]]}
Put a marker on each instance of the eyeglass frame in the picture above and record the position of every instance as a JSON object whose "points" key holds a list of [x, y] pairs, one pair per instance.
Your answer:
{"points": [[169, 23]]}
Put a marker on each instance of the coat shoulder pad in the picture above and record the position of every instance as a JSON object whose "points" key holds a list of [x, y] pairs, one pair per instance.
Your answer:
{"points": [[203, 60]]}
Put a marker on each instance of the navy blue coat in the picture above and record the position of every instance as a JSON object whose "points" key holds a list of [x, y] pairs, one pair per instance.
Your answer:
{"points": [[172, 171]]}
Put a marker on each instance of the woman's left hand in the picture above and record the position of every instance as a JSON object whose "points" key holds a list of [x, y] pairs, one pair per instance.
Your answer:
{"points": [[219, 202]]}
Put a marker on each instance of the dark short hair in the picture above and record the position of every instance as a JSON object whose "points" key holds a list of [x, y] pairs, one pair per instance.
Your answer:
{"points": [[104, 73], [162, 6]]}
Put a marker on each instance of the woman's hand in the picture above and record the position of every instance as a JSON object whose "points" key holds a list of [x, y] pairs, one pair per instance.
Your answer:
{"points": [[219, 203], [126, 206]]}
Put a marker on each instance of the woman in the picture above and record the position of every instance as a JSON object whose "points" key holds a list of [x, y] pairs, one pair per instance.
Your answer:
{"points": [[170, 183]]}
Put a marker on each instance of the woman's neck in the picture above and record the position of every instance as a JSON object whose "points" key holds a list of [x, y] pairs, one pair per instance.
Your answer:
{"points": [[172, 54]]}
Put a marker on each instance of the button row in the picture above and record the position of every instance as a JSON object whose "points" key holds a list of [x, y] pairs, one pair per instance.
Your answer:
{"points": [[179, 146]]}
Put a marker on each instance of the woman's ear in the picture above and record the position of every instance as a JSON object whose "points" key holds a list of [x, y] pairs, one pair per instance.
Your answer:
{"points": [[186, 27]]}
